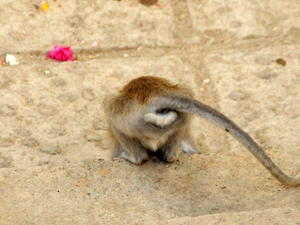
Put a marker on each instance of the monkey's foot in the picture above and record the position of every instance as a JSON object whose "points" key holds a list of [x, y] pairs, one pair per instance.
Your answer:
{"points": [[135, 159], [167, 156], [188, 148]]}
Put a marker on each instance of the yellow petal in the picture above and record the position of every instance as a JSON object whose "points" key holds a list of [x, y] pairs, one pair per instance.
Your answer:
{"points": [[44, 6]]}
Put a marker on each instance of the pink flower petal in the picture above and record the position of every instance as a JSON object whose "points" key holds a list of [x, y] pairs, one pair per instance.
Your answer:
{"points": [[61, 53]]}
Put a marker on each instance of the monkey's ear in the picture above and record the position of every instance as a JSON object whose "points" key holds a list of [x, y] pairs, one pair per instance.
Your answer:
{"points": [[161, 120]]}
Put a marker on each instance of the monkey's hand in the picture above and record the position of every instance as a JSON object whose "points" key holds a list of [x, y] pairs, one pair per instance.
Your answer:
{"points": [[161, 120], [138, 158]]}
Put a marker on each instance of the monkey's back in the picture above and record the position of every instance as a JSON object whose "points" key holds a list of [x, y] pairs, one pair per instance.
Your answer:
{"points": [[144, 88], [126, 108]]}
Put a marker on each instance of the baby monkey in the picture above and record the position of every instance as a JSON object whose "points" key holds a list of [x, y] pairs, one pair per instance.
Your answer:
{"points": [[151, 116]]}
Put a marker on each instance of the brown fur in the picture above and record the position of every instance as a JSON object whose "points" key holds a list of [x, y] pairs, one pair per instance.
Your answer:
{"points": [[143, 88]]}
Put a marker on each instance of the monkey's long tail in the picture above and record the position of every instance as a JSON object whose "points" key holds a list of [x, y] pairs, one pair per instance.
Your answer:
{"points": [[190, 105]]}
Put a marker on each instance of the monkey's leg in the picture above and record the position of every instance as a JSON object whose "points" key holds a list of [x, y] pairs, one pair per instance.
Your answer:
{"points": [[188, 145], [117, 149], [171, 150], [129, 148]]}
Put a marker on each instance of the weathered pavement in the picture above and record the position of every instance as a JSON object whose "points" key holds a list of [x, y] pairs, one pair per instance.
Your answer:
{"points": [[239, 57]]}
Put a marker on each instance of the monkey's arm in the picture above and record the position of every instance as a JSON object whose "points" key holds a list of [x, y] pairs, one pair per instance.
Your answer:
{"points": [[190, 105], [128, 148]]}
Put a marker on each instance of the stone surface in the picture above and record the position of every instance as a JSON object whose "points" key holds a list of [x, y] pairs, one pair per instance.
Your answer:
{"points": [[240, 57], [62, 115], [83, 25], [117, 192], [272, 216], [272, 123], [246, 19]]}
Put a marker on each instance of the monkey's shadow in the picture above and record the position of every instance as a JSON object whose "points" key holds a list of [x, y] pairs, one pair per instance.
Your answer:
{"points": [[176, 182]]}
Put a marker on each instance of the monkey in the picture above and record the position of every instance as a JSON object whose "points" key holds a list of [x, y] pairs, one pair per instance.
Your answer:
{"points": [[152, 117]]}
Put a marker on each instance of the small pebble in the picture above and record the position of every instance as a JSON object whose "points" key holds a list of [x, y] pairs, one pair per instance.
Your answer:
{"points": [[22, 132], [88, 94], [148, 2], [30, 142], [47, 110], [235, 24], [60, 82], [7, 110], [4, 80], [3, 163], [58, 132], [267, 74], [250, 115], [67, 97], [237, 96], [95, 44], [281, 62], [7, 141], [93, 137], [206, 81], [50, 149], [99, 125]]}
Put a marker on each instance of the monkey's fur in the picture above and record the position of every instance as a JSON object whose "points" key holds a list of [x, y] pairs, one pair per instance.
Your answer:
{"points": [[150, 116]]}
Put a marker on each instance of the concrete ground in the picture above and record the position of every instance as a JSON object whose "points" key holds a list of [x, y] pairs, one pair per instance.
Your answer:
{"points": [[240, 57]]}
